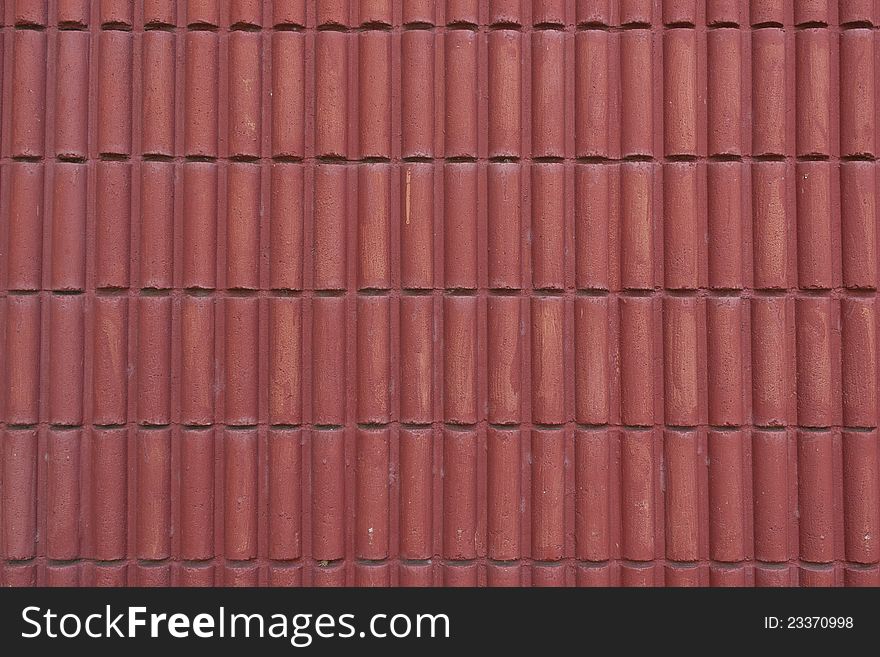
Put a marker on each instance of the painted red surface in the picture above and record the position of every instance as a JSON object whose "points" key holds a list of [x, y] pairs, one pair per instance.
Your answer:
{"points": [[454, 293]]}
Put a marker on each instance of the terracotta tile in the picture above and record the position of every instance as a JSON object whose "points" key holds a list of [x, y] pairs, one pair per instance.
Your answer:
{"points": [[463, 293]]}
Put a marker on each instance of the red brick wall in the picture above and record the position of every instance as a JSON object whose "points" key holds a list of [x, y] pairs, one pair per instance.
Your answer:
{"points": [[467, 292]]}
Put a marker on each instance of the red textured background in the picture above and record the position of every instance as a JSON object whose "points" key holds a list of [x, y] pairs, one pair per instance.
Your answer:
{"points": [[455, 293]]}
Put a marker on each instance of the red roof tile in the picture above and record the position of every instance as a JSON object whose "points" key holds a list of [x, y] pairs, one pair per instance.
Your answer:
{"points": [[412, 293]]}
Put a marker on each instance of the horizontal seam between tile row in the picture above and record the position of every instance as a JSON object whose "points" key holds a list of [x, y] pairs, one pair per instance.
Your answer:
{"points": [[513, 292], [385, 26], [307, 561], [456, 426], [537, 160]]}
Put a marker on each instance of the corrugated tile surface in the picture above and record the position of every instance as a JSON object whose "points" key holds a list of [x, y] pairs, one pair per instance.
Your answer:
{"points": [[403, 292]]}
